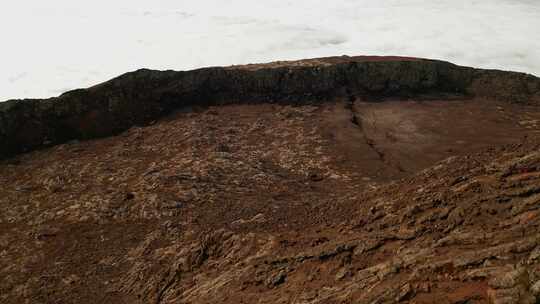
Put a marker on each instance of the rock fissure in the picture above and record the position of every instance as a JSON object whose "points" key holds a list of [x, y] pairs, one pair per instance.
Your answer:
{"points": [[358, 121]]}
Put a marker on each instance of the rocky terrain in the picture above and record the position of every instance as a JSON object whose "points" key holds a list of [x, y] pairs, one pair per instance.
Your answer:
{"points": [[332, 180]]}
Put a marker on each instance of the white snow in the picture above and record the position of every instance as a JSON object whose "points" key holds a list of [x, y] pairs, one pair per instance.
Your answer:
{"points": [[48, 47]]}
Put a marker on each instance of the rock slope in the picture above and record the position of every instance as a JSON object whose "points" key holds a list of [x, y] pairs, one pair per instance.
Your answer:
{"points": [[409, 193]]}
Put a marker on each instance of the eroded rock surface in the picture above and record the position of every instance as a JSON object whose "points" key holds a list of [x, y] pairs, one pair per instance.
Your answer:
{"points": [[418, 196]]}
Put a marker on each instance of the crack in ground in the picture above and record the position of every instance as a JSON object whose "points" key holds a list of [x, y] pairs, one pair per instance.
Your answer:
{"points": [[356, 119]]}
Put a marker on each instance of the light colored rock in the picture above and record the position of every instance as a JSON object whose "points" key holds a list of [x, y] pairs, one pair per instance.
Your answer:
{"points": [[535, 289], [70, 280], [342, 273], [510, 279]]}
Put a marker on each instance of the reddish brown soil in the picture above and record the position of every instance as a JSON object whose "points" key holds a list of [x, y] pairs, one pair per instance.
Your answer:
{"points": [[344, 202]]}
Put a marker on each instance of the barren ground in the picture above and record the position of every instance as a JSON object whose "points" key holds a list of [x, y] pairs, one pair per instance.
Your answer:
{"points": [[352, 201]]}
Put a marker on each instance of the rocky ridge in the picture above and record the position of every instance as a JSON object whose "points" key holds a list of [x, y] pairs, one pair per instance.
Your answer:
{"points": [[140, 97]]}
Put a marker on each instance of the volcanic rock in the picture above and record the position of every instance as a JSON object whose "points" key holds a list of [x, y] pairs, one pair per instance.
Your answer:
{"points": [[332, 180]]}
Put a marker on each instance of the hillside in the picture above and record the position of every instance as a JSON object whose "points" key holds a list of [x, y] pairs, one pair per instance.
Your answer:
{"points": [[332, 180]]}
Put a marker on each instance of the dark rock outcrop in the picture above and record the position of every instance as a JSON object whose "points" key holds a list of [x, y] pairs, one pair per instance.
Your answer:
{"points": [[140, 97]]}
